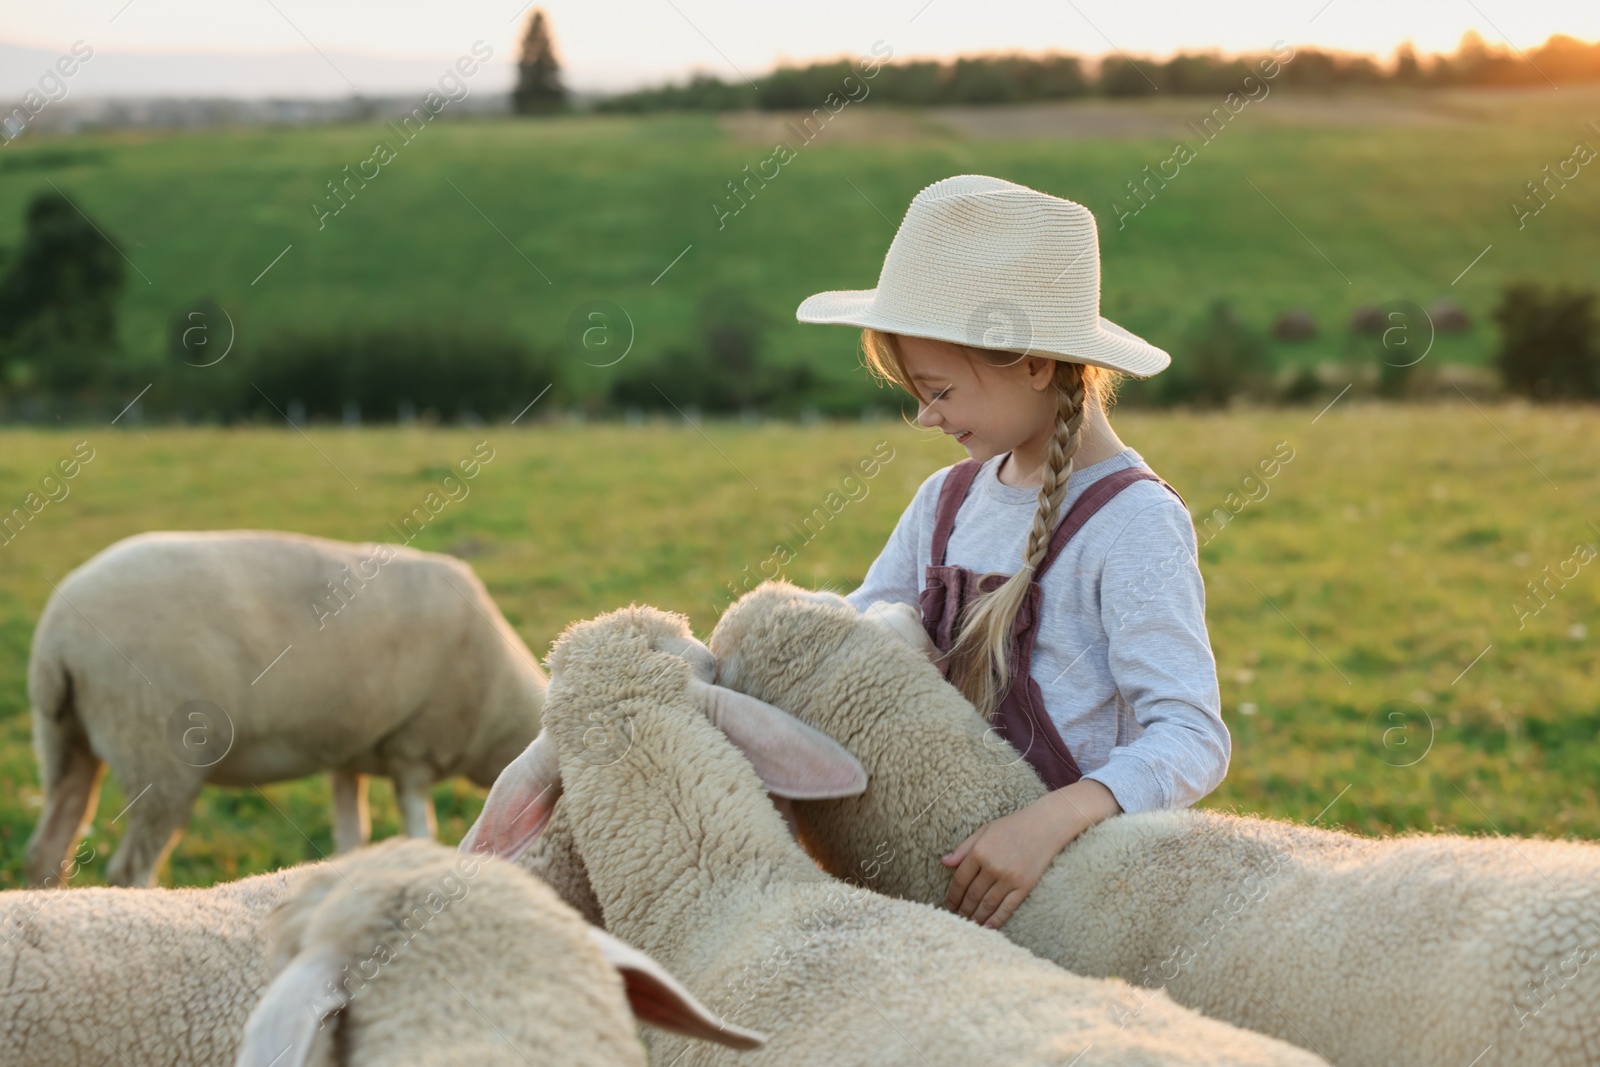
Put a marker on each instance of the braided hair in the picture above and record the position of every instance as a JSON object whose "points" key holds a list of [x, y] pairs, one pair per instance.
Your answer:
{"points": [[980, 658]]}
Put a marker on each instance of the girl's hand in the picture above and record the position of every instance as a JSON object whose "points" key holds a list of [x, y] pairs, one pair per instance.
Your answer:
{"points": [[1000, 863]]}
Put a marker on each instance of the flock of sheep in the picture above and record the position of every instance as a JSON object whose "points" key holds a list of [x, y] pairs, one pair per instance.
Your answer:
{"points": [[737, 840]]}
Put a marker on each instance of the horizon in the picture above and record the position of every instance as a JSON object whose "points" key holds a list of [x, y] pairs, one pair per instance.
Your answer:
{"points": [[283, 50]]}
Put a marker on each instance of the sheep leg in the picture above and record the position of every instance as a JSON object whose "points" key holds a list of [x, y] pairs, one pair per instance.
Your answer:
{"points": [[156, 817], [352, 823], [413, 789], [72, 791]]}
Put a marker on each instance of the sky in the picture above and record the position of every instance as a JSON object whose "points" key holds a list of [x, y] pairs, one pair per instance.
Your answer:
{"points": [[322, 48]]}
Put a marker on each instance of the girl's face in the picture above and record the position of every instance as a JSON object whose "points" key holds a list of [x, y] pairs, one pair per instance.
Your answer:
{"points": [[989, 410]]}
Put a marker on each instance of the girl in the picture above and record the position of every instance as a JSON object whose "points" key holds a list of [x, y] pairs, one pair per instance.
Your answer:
{"points": [[1056, 573]]}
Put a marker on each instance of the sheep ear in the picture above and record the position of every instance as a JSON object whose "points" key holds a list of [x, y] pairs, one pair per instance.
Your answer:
{"points": [[661, 1000], [519, 803], [283, 1027], [794, 759]]}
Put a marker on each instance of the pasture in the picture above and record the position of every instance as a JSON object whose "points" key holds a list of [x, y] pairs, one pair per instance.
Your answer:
{"points": [[1325, 203], [1383, 663]]}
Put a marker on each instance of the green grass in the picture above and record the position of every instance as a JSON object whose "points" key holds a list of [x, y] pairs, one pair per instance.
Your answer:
{"points": [[598, 207], [1384, 558]]}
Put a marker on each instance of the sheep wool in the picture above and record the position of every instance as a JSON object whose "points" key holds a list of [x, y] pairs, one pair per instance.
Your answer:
{"points": [[554, 860], [98, 977], [407, 952], [242, 657], [1433, 950], [692, 862]]}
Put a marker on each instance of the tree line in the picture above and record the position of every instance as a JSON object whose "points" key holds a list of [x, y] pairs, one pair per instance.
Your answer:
{"points": [[1017, 78]]}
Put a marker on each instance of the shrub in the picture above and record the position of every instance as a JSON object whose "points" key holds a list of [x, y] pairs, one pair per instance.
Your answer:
{"points": [[1394, 379], [804, 88], [63, 285], [915, 82], [723, 373], [1121, 76], [701, 92], [58, 297], [1302, 388], [1220, 357], [1548, 342], [452, 373], [1399, 339]]}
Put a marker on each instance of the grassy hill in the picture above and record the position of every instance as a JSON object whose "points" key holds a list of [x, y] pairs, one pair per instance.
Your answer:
{"points": [[1296, 201]]}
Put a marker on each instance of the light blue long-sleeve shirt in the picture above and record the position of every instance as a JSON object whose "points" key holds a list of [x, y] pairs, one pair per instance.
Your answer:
{"points": [[1121, 652]]}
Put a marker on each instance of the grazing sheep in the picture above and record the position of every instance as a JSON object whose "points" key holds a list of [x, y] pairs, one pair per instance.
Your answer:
{"points": [[417, 954], [1428, 949], [243, 657], [102, 977], [692, 863]]}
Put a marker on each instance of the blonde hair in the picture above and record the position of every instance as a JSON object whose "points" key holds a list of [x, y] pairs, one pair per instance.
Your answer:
{"points": [[981, 654]]}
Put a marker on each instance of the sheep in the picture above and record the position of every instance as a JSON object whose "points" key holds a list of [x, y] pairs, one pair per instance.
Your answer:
{"points": [[96, 977], [418, 954], [554, 860], [161, 657], [691, 861], [104, 977], [1426, 949]]}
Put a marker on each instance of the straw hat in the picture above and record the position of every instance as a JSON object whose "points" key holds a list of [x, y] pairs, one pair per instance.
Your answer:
{"points": [[985, 262]]}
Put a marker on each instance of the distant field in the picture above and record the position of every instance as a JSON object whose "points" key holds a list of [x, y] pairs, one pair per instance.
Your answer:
{"points": [[1298, 201], [1363, 611]]}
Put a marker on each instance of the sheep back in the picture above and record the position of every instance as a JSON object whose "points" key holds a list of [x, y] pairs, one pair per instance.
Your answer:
{"points": [[446, 951], [415, 667], [1456, 944], [692, 862], [105, 976]]}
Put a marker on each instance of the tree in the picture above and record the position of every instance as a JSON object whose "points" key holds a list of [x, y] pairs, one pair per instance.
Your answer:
{"points": [[1407, 71], [1549, 342], [539, 90], [59, 298], [1220, 357]]}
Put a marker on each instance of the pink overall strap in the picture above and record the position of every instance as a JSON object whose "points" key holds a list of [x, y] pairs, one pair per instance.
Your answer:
{"points": [[1093, 499], [951, 494]]}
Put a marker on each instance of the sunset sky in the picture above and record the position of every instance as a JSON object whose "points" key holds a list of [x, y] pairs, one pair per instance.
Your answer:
{"points": [[625, 43]]}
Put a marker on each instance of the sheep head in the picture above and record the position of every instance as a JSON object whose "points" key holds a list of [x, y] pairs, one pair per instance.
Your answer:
{"points": [[795, 761], [318, 933], [777, 636]]}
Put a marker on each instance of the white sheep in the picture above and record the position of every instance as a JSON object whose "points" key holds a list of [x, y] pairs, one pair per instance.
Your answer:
{"points": [[554, 860], [101, 977], [691, 862], [244, 657], [104, 977], [407, 952], [1429, 949]]}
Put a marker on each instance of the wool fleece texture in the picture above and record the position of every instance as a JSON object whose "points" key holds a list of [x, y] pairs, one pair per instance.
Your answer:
{"points": [[99, 977], [692, 863], [427, 955], [1429, 950]]}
